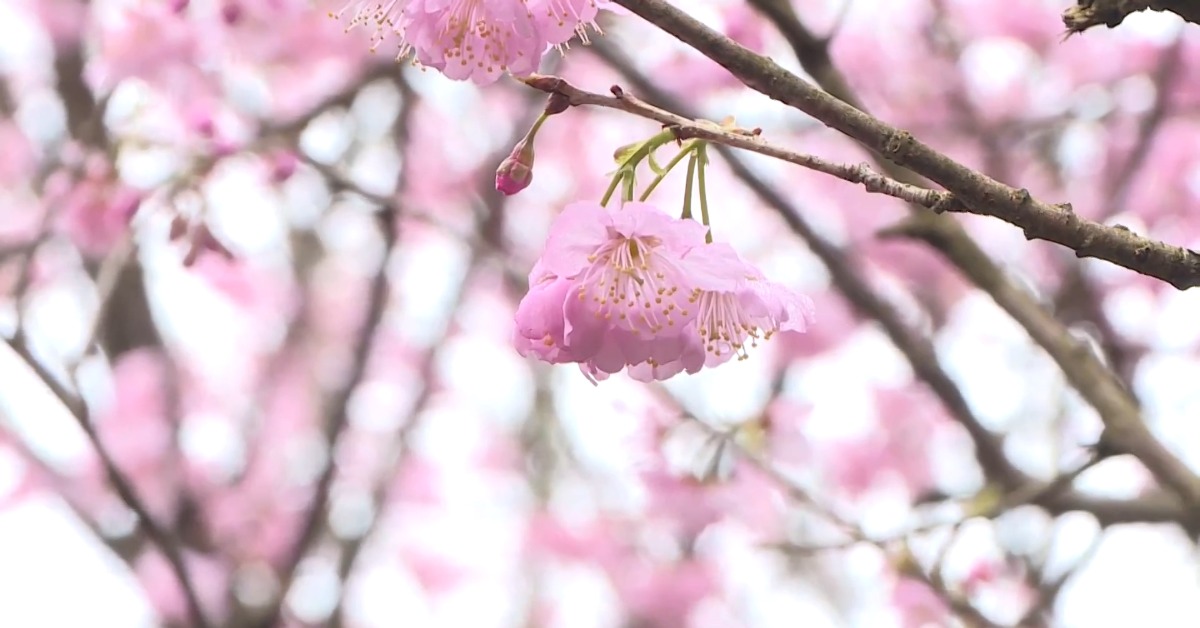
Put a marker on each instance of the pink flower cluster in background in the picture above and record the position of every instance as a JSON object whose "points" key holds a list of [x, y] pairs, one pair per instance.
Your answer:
{"points": [[477, 40]]}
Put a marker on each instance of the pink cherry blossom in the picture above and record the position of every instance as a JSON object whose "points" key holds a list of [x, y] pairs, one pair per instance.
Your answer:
{"points": [[560, 20], [477, 40], [980, 575], [736, 307], [473, 39], [636, 288], [611, 289]]}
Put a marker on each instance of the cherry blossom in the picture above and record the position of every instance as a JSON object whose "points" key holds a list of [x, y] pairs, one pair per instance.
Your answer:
{"points": [[477, 40], [612, 288]]}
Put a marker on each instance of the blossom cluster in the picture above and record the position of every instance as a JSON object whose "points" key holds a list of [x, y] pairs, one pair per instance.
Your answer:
{"points": [[633, 288], [479, 40]]}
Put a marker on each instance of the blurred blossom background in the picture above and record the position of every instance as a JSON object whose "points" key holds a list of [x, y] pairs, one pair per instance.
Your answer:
{"points": [[259, 279]]}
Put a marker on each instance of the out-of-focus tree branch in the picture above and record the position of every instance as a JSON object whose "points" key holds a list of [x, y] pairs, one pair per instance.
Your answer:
{"points": [[1088, 13], [124, 320], [160, 536], [337, 406], [1076, 300]]}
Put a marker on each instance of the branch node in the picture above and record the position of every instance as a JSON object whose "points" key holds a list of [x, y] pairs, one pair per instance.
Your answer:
{"points": [[946, 203], [897, 145], [548, 84]]}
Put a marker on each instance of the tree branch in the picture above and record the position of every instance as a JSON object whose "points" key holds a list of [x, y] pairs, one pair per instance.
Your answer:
{"points": [[159, 536], [979, 194], [1156, 507], [751, 140], [1124, 430], [1088, 13]]}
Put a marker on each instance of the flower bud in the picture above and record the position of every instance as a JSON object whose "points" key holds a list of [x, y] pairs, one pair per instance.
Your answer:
{"points": [[516, 171], [283, 165], [231, 12]]}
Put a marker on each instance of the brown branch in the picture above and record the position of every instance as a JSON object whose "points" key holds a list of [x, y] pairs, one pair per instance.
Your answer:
{"points": [[338, 417], [1076, 300], [1088, 13], [945, 42], [687, 128], [484, 235], [978, 193], [61, 484]]}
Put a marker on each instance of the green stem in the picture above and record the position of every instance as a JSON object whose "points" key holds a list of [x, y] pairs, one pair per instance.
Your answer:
{"points": [[612, 187], [702, 158], [537, 124], [628, 165], [687, 188], [687, 149]]}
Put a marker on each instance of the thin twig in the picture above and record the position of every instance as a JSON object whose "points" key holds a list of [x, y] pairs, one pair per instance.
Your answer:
{"points": [[750, 140]]}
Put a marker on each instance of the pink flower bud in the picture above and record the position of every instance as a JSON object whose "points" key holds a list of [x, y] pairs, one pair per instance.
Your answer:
{"points": [[231, 12], [201, 121], [516, 171], [283, 166]]}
